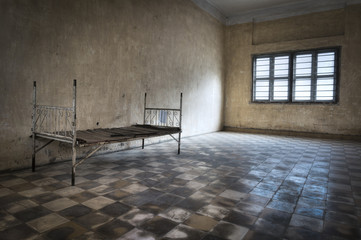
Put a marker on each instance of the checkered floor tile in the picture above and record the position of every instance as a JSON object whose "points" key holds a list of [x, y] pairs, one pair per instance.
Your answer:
{"points": [[222, 186]]}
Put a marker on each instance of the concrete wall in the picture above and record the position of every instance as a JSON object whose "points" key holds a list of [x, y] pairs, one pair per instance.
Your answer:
{"points": [[117, 50], [334, 28]]}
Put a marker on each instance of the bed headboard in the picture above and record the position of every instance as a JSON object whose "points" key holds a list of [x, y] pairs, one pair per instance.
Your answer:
{"points": [[163, 117], [55, 122]]}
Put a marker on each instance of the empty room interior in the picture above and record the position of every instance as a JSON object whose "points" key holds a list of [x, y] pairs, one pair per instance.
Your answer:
{"points": [[180, 119]]}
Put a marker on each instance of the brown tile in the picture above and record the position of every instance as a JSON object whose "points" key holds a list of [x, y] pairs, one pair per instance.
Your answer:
{"points": [[159, 225], [59, 204], [200, 222], [119, 184], [98, 202], [32, 192], [114, 229], [117, 195], [229, 231], [82, 196], [22, 187], [47, 222]]}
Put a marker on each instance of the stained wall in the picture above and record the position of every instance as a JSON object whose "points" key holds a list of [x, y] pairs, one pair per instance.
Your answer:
{"points": [[117, 51], [319, 30]]}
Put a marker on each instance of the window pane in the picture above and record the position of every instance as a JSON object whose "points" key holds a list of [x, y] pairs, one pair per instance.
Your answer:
{"points": [[302, 89], [262, 95], [280, 89], [325, 89], [262, 90], [281, 66], [262, 67], [303, 65], [325, 81], [325, 64], [262, 83]]}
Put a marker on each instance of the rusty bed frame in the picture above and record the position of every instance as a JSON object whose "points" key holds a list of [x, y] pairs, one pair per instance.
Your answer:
{"points": [[57, 123]]}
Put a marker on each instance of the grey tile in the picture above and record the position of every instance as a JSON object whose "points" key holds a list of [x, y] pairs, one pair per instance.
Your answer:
{"points": [[114, 229], [240, 219], [93, 220], [312, 224], [32, 213], [282, 206], [18, 232], [184, 232], [269, 228], [115, 209]]}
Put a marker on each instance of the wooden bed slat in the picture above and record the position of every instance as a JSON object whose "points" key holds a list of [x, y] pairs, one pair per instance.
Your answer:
{"points": [[122, 134]]}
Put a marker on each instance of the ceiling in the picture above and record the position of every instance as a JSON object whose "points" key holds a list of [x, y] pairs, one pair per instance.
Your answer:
{"points": [[232, 12], [235, 7]]}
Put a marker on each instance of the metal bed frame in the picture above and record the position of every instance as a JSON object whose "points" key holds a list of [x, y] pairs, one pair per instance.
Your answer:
{"points": [[57, 123]]}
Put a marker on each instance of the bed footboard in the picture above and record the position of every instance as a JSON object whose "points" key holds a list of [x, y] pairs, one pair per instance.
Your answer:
{"points": [[164, 117]]}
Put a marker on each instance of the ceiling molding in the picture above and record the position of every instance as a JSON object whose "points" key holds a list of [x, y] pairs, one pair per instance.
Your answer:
{"points": [[286, 10], [212, 10], [276, 12]]}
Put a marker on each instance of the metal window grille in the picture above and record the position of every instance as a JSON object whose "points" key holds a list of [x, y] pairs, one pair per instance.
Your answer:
{"points": [[302, 76], [271, 78]]}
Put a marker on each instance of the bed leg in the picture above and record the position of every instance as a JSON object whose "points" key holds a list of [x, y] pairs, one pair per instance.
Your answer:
{"points": [[33, 157], [73, 167], [179, 143], [33, 162], [143, 143]]}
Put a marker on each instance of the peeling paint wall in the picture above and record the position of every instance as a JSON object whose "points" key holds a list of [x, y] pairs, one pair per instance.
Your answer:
{"points": [[117, 50], [333, 28]]}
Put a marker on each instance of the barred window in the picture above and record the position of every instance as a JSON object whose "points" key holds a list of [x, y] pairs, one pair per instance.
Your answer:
{"points": [[307, 76]]}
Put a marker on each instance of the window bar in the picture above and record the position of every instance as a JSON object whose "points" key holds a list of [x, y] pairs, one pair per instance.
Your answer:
{"points": [[271, 78], [290, 79], [314, 76]]}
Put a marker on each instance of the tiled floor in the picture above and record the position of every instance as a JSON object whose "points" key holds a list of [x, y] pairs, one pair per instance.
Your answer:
{"points": [[222, 186]]}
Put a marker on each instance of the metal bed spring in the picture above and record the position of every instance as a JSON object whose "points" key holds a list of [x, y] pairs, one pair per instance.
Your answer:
{"points": [[59, 124]]}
